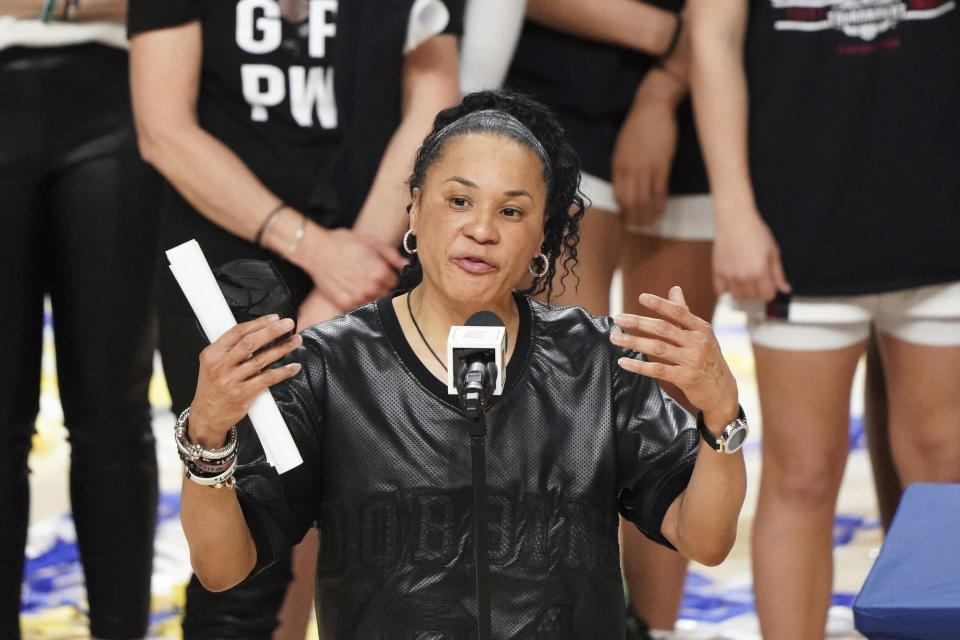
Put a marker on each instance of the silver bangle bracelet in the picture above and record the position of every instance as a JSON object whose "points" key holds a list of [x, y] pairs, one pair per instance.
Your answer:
{"points": [[191, 451], [225, 479]]}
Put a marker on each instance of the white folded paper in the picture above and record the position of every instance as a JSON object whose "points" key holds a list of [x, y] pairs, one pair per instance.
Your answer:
{"points": [[194, 276]]}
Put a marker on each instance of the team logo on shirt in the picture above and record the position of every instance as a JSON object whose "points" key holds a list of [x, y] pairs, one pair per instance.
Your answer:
{"points": [[308, 87], [864, 19]]}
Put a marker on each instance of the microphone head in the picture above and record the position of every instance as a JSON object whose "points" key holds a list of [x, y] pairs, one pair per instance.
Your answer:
{"points": [[484, 319], [482, 341]]}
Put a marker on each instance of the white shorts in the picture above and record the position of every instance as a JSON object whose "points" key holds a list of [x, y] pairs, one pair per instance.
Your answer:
{"points": [[686, 217], [928, 315]]}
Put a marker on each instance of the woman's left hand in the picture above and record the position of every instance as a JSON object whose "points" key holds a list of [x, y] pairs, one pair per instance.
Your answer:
{"points": [[689, 354]]}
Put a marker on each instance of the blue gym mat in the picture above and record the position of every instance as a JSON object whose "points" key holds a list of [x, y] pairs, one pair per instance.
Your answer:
{"points": [[913, 590]]}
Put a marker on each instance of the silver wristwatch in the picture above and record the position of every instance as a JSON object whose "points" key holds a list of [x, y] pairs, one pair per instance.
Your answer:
{"points": [[731, 437]]}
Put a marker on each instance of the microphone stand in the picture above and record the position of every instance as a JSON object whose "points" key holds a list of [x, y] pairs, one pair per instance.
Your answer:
{"points": [[474, 389], [478, 432], [475, 385]]}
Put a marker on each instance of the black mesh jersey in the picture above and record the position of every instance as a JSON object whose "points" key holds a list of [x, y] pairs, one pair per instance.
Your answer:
{"points": [[855, 140], [386, 477]]}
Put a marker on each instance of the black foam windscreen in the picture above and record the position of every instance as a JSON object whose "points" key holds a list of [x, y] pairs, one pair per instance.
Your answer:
{"points": [[484, 319]]}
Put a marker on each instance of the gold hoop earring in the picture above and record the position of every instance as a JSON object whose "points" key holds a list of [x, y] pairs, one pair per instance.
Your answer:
{"points": [[542, 272], [406, 242]]}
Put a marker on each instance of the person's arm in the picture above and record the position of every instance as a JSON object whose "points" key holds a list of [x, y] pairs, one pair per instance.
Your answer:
{"points": [[643, 153], [746, 258], [222, 552], [701, 522], [222, 549], [164, 76], [627, 23], [87, 10], [491, 29], [204, 170], [430, 84]]}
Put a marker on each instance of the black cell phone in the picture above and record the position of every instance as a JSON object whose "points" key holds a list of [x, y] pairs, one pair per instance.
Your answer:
{"points": [[779, 307]]}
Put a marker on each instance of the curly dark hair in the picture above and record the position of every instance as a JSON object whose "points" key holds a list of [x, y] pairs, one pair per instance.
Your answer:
{"points": [[565, 202]]}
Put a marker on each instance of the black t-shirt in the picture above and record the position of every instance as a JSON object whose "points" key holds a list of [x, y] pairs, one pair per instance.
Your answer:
{"points": [[591, 86], [573, 440], [306, 93], [855, 140]]}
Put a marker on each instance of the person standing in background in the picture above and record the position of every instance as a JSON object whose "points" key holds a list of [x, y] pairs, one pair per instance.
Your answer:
{"points": [[491, 29], [79, 224], [616, 73], [836, 194], [286, 130]]}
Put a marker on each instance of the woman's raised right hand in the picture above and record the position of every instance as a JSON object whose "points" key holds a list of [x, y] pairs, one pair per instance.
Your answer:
{"points": [[232, 375], [746, 259]]}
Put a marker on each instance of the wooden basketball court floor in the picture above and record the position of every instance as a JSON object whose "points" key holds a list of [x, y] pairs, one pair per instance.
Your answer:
{"points": [[718, 603]]}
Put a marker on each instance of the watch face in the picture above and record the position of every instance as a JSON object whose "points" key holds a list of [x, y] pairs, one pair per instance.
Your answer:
{"points": [[735, 437]]}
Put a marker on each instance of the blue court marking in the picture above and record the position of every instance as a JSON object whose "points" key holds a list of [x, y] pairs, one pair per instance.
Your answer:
{"points": [[846, 527], [708, 605], [708, 602], [54, 578]]}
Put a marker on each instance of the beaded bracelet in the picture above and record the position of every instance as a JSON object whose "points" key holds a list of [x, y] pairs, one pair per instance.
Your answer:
{"points": [[207, 467], [192, 451]]}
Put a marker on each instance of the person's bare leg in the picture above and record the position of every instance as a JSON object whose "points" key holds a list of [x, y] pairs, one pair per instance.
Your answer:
{"points": [[654, 265], [597, 254], [886, 482], [924, 409], [294, 615], [655, 574], [805, 402]]}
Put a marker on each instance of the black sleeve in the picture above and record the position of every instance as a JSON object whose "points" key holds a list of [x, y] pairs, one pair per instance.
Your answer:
{"points": [[657, 448], [146, 15], [455, 7], [279, 509]]}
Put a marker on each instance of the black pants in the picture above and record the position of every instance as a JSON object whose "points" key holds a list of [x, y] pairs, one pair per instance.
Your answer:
{"points": [[249, 610], [77, 222]]}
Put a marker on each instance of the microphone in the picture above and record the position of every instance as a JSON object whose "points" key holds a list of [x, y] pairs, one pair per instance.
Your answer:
{"points": [[475, 356], [475, 361]]}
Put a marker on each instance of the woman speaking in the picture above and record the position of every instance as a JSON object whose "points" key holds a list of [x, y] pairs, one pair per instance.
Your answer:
{"points": [[580, 433]]}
